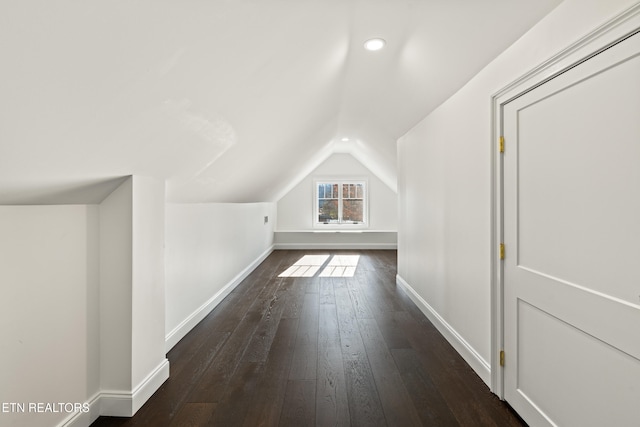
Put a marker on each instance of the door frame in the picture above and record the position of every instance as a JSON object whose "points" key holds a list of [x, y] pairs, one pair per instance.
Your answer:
{"points": [[613, 31]]}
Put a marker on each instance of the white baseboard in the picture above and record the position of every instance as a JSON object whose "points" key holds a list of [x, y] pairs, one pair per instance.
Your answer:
{"points": [[84, 419], [468, 353], [120, 403], [173, 337], [126, 404], [329, 246], [149, 385], [116, 404]]}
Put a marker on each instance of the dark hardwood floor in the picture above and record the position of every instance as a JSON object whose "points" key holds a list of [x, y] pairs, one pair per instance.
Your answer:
{"points": [[325, 351]]}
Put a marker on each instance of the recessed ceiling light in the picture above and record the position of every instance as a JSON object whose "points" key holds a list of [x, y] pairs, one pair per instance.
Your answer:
{"points": [[345, 139], [374, 44]]}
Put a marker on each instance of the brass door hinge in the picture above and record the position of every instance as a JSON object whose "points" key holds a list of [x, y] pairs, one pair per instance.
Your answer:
{"points": [[501, 144], [501, 250], [501, 357]]}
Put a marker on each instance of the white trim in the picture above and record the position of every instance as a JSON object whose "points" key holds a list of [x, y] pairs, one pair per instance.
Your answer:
{"points": [[333, 230], [149, 385], [175, 335], [126, 404], [116, 404], [610, 32], [468, 353], [312, 246], [590, 44], [119, 403], [83, 419]]}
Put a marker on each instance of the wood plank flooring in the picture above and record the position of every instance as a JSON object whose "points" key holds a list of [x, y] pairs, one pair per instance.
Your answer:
{"points": [[323, 351]]}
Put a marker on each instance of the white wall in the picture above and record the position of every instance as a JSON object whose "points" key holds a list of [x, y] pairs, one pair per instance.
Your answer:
{"points": [[295, 209], [147, 294], [116, 230], [209, 249], [82, 305], [82, 293], [132, 360], [444, 184], [49, 280]]}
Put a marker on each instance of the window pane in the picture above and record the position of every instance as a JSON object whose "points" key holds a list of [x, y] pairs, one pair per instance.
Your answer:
{"points": [[327, 191], [359, 191], [327, 211], [352, 191], [352, 210]]}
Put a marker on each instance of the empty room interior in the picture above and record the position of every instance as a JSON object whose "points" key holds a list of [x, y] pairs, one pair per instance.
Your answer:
{"points": [[319, 212]]}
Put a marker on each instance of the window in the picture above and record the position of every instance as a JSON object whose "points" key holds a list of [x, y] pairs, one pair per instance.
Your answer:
{"points": [[340, 203]]}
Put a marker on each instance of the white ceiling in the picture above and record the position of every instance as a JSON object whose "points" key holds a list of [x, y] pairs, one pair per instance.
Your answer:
{"points": [[229, 100]]}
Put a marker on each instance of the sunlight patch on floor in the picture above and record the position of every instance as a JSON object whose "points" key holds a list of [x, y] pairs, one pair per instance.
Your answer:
{"points": [[341, 266], [307, 266]]}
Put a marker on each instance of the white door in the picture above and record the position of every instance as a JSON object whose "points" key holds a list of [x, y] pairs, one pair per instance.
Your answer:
{"points": [[572, 239]]}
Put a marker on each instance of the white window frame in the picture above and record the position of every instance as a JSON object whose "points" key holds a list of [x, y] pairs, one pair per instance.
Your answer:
{"points": [[341, 225]]}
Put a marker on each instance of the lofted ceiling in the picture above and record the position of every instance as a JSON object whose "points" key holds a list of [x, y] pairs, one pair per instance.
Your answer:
{"points": [[228, 100]]}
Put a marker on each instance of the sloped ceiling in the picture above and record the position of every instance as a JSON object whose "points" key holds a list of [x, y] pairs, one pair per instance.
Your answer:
{"points": [[228, 100]]}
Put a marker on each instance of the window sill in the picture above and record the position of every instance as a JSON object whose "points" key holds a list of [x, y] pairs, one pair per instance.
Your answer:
{"points": [[336, 230]]}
